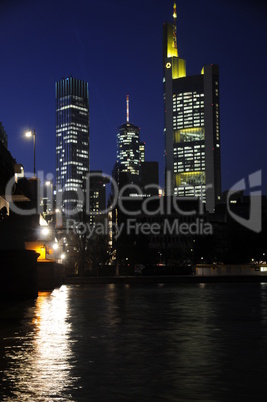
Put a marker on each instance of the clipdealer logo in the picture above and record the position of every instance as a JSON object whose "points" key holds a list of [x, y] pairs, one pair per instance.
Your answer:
{"points": [[132, 227], [254, 222]]}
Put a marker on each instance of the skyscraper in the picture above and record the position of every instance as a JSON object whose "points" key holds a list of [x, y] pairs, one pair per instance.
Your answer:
{"points": [[128, 154], [192, 125], [72, 142]]}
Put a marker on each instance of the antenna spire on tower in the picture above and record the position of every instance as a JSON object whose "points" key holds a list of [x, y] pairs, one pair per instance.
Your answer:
{"points": [[174, 38], [127, 109], [174, 13]]}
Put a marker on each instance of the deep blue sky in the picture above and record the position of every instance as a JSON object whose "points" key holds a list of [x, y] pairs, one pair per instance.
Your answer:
{"points": [[116, 46]]}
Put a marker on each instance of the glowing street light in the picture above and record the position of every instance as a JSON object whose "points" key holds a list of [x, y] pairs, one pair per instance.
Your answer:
{"points": [[30, 134], [45, 231]]}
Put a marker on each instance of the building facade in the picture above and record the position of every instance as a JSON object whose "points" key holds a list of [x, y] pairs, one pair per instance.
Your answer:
{"points": [[192, 126], [149, 178], [142, 148], [3, 135], [128, 150], [97, 196], [72, 142]]}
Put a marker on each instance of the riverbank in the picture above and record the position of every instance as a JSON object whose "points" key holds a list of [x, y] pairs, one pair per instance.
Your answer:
{"points": [[142, 279]]}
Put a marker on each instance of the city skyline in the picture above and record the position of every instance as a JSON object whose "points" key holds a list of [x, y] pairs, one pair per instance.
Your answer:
{"points": [[118, 55]]}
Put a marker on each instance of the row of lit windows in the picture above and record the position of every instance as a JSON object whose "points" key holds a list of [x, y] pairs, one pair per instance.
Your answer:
{"points": [[188, 103], [74, 126], [73, 185], [190, 192], [82, 155], [70, 124], [189, 168], [189, 156], [126, 134], [130, 160], [187, 149], [187, 95], [129, 152], [197, 190], [188, 109], [188, 124], [71, 163], [74, 134], [68, 200], [72, 107], [128, 140], [181, 117], [71, 142], [181, 150], [71, 180]]}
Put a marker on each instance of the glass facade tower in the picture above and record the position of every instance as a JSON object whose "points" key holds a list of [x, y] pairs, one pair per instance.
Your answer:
{"points": [[72, 142], [128, 150], [192, 126]]}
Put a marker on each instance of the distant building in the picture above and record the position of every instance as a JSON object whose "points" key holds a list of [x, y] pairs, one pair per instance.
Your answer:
{"points": [[128, 154], [97, 196], [149, 178], [72, 141], [47, 200], [7, 163], [3, 135], [192, 126]]}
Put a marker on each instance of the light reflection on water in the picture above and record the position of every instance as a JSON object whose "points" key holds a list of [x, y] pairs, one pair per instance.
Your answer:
{"points": [[38, 355], [128, 343]]}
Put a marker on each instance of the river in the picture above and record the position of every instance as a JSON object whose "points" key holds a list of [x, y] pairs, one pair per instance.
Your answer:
{"points": [[173, 342]]}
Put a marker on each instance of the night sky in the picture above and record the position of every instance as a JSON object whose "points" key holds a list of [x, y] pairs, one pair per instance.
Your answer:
{"points": [[116, 46]]}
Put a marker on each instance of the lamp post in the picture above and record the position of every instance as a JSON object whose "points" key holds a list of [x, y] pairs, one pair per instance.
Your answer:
{"points": [[28, 135]]}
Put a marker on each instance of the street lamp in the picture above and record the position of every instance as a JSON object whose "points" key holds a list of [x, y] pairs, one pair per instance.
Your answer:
{"points": [[28, 135]]}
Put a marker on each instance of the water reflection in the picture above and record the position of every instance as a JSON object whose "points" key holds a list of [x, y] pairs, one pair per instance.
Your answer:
{"points": [[105, 343], [39, 356]]}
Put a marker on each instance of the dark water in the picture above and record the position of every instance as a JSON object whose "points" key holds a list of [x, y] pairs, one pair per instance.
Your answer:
{"points": [[180, 342]]}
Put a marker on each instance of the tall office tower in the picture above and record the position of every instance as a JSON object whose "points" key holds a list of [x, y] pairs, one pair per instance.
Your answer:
{"points": [[142, 146], [192, 126], [72, 142], [128, 155]]}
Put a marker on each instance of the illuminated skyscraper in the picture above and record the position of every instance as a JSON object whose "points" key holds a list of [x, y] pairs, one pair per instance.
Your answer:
{"points": [[128, 154], [72, 141], [192, 125]]}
